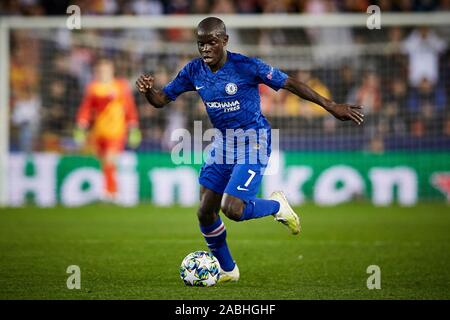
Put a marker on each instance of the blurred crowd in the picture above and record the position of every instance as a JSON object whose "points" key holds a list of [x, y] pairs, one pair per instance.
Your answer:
{"points": [[157, 7], [403, 81]]}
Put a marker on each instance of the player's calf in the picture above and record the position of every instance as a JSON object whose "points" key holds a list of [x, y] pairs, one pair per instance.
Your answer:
{"points": [[209, 206], [206, 216]]}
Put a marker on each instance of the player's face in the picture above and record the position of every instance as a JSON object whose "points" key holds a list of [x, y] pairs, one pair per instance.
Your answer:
{"points": [[211, 47], [104, 71]]}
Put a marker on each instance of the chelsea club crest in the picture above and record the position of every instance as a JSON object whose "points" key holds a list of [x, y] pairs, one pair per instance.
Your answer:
{"points": [[231, 88]]}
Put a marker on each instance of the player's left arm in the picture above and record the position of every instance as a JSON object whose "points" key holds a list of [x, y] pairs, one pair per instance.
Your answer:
{"points": [[131, 117], [341, 111]]}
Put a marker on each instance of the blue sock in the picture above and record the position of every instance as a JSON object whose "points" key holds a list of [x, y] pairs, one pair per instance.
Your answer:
{"points": [[258, 208], [215, 236]]}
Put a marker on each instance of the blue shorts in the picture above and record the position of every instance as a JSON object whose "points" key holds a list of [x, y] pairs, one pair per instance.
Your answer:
{"points": [[239, 180]]}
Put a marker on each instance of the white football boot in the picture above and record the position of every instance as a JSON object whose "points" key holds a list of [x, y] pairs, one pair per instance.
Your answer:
{"points": [[286, 215], [229, 276]]}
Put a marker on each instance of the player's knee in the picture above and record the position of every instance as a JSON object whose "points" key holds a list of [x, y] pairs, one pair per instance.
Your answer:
{"points": [[232, 207]]}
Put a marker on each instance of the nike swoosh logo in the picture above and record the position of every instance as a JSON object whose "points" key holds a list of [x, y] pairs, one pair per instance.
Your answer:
{"points": [[242, 189], [198, 88]]}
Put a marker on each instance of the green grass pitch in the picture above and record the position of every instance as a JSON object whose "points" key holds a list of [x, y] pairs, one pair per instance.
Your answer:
{"points": [[135, 253]]}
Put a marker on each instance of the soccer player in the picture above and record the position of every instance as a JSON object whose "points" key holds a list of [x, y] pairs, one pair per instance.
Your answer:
{"points": [[228, 82], [109, 104]]}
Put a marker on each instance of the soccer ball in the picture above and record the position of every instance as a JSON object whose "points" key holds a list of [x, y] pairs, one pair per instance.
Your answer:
{"points": [[200, 269]]}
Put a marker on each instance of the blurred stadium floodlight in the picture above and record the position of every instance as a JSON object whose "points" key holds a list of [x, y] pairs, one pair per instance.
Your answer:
{"points": [[269, 21]]}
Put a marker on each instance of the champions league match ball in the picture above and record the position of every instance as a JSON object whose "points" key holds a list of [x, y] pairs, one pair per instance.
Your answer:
{"points": [[200, 269]]}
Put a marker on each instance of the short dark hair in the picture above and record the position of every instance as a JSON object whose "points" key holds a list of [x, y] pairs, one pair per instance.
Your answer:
{"points": [[211, 24], [101, 59]]}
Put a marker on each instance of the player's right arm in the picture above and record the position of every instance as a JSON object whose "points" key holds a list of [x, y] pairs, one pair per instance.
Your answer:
{"points": [[159, 98], [156, 98], [83, 117]]}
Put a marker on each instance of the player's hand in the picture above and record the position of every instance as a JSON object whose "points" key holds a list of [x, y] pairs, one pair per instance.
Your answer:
{"points": [[347, 112], [79, 135], [144, 83], [134, 138]]}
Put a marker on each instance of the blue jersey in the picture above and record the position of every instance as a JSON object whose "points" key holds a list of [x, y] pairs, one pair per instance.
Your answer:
{"points": [[230, 94]]}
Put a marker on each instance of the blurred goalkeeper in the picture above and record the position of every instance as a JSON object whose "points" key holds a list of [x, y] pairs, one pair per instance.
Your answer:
{"points": [[228, 83], [108, 108]]}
